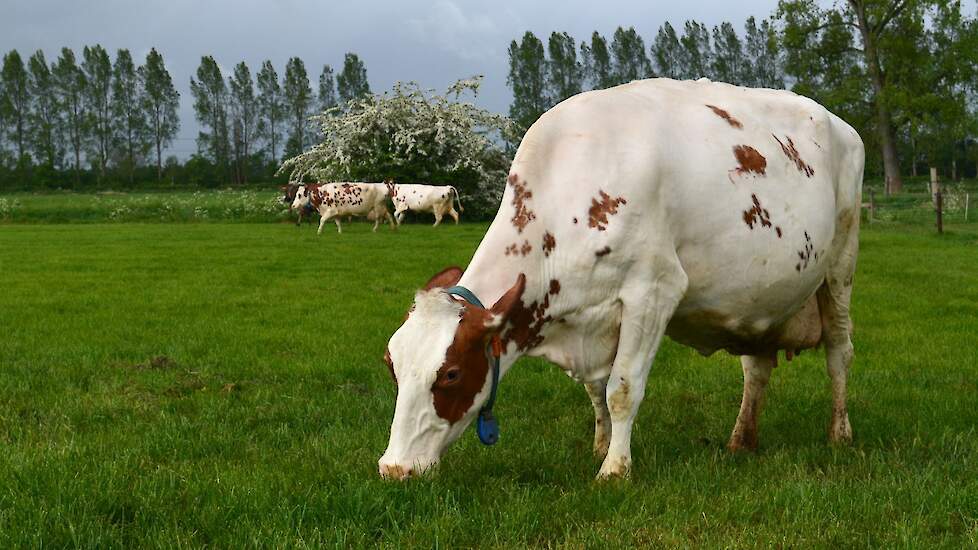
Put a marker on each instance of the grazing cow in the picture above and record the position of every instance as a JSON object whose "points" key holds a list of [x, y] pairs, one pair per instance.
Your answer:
{"points": [[333, 200], [723, 217], [437, 199], [289, 191]]}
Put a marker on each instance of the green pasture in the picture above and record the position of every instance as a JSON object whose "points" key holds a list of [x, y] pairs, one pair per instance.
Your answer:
{"points": [[221, 384]]}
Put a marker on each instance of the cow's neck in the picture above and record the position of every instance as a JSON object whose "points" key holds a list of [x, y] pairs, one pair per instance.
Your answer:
{"points": [[492, 272]]}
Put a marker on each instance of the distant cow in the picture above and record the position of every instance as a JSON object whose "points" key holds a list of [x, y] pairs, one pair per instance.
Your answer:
{"points": [[437, 199], [289, 191], [333, 200]]}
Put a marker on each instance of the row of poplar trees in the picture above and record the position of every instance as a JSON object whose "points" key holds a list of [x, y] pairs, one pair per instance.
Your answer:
{"points": [[904, 73], [111, 121], [249, 124], [107, 113]]}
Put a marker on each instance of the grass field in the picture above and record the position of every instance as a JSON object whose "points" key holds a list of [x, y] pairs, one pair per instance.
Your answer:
{"points": [[222, 384]]}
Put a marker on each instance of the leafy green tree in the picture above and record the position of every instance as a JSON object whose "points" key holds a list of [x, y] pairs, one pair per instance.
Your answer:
{"points": [[764, 67], [564, 74], [211, 107], [244, 112], [880, 28], [327, 89], [69, 85], [596, 60], [45, 121], [160, 101], [298, 102], [628, 56], [270, 105], [98, 94], [697, 51], [129, 125], [729, 62], [668, 53], [528, 79], [352, 81], [16, 100]]}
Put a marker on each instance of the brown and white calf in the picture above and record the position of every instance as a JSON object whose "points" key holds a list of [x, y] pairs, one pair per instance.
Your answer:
{"points": [[437, 199], [723, 217], [333, 200]]}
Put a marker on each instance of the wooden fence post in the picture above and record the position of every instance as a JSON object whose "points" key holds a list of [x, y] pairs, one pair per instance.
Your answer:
{"points": [[967, 202], [872, 205], [940, 208], [935, 184]]}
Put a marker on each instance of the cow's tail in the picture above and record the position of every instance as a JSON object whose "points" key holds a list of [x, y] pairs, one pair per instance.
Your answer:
{"points": [[457, 199]]}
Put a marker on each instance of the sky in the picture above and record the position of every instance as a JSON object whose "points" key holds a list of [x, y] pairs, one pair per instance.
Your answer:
{"points": [[433, 42]]}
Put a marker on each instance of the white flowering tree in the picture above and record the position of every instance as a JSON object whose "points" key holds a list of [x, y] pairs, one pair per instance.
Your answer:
{"points": [[412, 135]]}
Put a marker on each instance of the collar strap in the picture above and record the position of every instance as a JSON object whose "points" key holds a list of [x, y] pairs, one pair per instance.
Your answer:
{"points": [[486, 425]]}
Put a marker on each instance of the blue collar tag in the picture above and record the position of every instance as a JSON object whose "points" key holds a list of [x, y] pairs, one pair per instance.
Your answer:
{"points": [[486, 426]]}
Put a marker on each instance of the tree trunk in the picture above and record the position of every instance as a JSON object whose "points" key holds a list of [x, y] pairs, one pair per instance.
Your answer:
{"points": [[891, 163], [913, 150], [159, 159]]}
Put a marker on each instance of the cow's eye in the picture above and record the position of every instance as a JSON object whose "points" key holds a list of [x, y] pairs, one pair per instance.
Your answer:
{"points": [[452, 375]]}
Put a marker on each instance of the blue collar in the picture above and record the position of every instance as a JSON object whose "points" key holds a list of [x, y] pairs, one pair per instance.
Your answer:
{"points": [[486, 425]]}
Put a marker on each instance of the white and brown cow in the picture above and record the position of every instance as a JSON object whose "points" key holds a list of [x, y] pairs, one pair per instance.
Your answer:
{"points": [[333, 200], [723, 217], [437, 199]]}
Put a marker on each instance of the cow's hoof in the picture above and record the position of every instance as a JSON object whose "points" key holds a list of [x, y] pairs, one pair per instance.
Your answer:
{"points": [[615, 468], [743, 439], [841, 431]]}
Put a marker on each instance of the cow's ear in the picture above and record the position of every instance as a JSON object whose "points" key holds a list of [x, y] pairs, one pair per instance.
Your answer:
{"points": [[506, 303], [445, 278]]}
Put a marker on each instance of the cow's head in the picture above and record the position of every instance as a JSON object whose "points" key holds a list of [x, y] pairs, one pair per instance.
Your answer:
{"points": [[288, 193], [302, 197], [438, 360]]}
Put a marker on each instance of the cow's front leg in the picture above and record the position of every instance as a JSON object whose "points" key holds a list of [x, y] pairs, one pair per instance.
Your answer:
{"points": [[322, 222], [643, 323], [376, 222], [399, 216], [757, 372], [602, 418], [339, 228]]}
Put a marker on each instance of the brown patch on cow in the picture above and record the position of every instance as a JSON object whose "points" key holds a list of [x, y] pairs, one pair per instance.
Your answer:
{"points": [[391, 188], [523, 215], [463, 373], [512, 250], [758, 215], [527, 321], [526, 248], [522, 250], [554, 286], [599, 211], [390, 363], [750, 161], [603, 252], [726, 116], [806, 255], [792, 153], [619, 402], [549, 243]]}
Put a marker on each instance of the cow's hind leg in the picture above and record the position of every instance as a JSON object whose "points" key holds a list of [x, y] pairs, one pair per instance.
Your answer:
{"points": [[646, 311], [757, 372], [602, 417], [834, 297], [454, 215], [437, 218]]}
